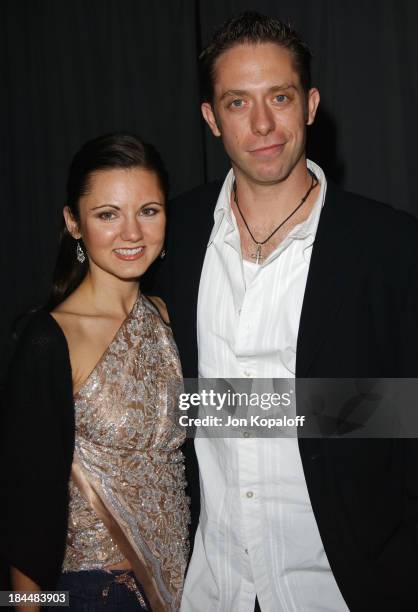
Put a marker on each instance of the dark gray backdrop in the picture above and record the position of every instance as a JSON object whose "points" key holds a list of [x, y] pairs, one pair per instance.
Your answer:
{"points": [[73, 69]]}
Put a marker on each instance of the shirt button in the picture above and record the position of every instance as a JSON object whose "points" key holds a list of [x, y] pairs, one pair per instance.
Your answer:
{"points": [[246, 551], [246, 434], [239, 311], [250, 494], [247, 374]]}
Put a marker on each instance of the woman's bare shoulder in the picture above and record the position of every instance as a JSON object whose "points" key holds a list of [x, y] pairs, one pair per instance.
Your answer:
{"points": [[161, 307], [70, 315]]}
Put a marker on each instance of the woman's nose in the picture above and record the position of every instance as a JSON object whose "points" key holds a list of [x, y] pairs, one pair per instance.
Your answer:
{"points": [[131, 230]]}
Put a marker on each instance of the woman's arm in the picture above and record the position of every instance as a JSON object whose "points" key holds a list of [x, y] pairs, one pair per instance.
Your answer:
{"points": [[21, 582], [36, 447]]}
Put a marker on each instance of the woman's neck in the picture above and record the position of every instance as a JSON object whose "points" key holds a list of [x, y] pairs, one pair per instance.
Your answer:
{"points": [[108, 295]]}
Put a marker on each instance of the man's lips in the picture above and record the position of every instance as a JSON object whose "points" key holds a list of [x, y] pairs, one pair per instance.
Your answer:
{"points": [[267, 151]]}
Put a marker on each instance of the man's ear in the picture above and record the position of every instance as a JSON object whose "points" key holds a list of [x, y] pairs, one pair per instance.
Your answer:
{"points": [[71, 223], [313, 103], [209, 117]]}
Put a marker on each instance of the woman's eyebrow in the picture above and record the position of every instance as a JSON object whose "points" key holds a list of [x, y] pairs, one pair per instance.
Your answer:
{"points": [[105, 206]]}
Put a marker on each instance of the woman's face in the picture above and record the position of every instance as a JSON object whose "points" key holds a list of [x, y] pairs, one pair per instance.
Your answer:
{"points": [[122, 221]]}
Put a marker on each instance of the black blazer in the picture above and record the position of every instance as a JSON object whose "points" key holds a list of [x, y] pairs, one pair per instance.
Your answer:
{"points": [[359, 319]]}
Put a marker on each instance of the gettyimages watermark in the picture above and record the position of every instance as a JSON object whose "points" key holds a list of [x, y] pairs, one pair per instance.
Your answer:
{"points": [[235, 408], [286, 408]]}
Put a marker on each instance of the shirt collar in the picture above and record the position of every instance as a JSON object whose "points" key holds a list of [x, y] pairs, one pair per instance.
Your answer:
{"points": [[223, 206], [310, 225], [307, 228]]}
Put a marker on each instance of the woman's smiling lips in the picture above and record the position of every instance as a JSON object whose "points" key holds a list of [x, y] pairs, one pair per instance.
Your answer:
{"points": [[129, 254]]}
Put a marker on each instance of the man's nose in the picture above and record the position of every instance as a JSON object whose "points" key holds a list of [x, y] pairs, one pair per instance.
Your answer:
{"points": [[131, 229], [262, 119]]}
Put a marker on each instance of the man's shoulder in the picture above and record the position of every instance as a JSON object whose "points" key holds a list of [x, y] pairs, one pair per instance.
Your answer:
{"points": [[373, 217], [206, 194]]}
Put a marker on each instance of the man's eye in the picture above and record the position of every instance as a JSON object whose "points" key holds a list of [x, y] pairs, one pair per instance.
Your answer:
{"points": [[237, 103], [107, 216], [281, 98]]}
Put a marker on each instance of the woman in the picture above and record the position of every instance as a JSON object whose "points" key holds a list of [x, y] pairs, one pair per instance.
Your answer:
{"points": [[89, 400]]}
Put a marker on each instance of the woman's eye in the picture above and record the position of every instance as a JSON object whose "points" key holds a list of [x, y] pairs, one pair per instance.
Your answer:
{"points": [[107, 216], [149, 212]]}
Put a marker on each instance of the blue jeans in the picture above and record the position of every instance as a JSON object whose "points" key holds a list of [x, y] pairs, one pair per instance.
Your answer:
{"points": [[97, 590]]}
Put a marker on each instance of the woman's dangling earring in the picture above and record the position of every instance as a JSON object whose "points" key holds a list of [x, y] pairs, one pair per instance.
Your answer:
{"points": [[80, 253], [162, 254]]}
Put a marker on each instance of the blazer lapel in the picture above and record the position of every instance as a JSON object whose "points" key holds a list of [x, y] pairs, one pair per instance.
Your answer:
{"points": [[193, 225], [331, 266]]}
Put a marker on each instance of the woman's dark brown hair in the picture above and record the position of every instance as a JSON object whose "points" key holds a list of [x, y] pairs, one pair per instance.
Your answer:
{"points": [[118, 150]]}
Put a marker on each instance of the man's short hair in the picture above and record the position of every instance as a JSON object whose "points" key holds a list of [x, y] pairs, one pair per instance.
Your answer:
{"points": [[254, 28]]}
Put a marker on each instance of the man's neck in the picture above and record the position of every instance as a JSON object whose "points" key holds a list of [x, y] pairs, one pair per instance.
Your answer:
{"points": [[263, 203], [265, 209]]}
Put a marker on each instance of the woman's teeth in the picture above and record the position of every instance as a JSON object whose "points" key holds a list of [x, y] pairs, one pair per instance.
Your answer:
{"points": [[129, 252]]}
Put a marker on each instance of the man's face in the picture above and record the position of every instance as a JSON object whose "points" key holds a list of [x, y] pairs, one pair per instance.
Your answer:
{"points": [[261, 111]]}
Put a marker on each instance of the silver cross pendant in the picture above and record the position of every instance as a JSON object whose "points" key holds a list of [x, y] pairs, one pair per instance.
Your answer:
{"points": [[257, 256]]}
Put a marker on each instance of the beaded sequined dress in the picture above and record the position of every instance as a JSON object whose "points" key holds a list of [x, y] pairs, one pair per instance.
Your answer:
{"points": [[127, 498]]}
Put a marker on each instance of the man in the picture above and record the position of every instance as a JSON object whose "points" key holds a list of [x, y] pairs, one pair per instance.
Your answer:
{"points": [[289, 276]]}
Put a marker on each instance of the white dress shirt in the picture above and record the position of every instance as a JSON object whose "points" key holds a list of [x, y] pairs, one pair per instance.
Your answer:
{"points": [[257, 532]]}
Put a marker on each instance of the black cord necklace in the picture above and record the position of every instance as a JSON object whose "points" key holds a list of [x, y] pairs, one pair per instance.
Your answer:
{"points": [[257, 255]]}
